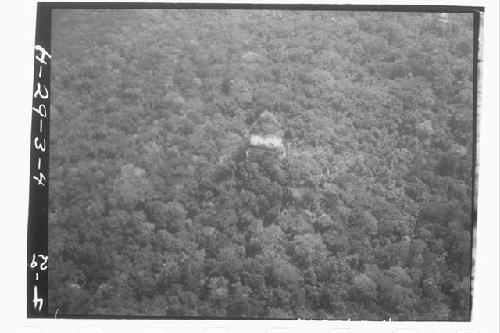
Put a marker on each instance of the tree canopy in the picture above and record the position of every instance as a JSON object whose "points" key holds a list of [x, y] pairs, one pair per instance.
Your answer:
{"points": [[155, 210]]}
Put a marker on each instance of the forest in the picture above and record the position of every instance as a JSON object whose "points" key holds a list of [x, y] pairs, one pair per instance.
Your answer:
{"points": [[155, 208]]}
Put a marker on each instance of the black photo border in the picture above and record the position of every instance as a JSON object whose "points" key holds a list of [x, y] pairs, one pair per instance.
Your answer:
{"points": [[37, 227]]}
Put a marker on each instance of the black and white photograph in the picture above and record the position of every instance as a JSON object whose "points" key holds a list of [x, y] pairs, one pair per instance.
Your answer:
{"points": [[262, 163]]}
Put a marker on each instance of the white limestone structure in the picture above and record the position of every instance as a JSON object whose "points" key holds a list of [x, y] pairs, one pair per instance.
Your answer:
{"points": [[443, 17], [266, 134], [270, 141]]}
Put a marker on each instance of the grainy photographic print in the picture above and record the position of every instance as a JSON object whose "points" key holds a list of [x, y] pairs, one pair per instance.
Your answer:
{"points": [[260, 163]]}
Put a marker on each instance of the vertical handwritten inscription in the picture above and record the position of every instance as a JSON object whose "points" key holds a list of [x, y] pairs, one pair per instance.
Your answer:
{"points": [[37, 256], [41, 94], [38, 263]]}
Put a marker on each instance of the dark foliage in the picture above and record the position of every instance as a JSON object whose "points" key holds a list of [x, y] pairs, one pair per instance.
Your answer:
{"points": [[155, 208]]}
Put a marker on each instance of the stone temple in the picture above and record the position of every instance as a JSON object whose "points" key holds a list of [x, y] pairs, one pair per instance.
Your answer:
{"points": [[266, 135]]}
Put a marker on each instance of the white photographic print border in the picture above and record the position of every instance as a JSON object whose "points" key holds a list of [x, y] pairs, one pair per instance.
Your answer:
{"points": [[485, 304]]}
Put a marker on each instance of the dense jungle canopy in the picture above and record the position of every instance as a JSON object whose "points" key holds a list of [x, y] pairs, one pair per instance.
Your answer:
{"points": [[154, 209]]}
